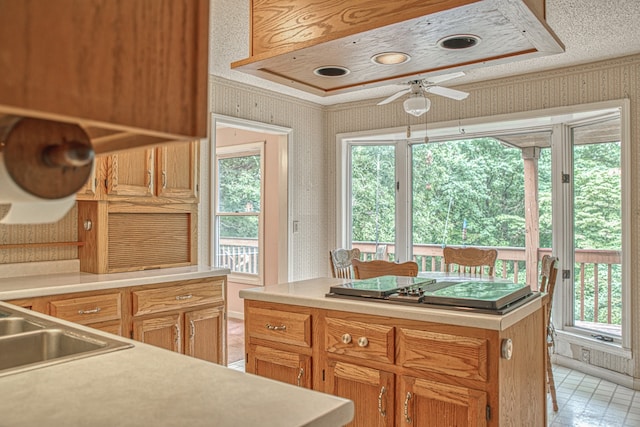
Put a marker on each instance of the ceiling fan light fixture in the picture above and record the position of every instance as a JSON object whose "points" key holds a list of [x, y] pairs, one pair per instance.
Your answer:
{"points": [[417, 105], [390, 58]]}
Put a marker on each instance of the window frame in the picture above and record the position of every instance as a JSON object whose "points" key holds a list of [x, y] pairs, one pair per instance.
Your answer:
{"points": [[233, 151], [555, 120], [564, 305]]}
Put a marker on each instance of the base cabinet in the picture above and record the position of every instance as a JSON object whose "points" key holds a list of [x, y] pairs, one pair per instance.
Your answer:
{"points": [[372, 388], [203, 334], [161, 331], [401, 372], [286, 366], [433, 404], [186, 316]]}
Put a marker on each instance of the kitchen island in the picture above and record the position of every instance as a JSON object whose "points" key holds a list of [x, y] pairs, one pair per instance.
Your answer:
{"points": [[401, 364], [147, 386]]}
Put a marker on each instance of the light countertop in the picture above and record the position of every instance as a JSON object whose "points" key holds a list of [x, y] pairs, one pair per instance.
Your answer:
{"points": [[149, 386], [61, 283], [312, 293]]}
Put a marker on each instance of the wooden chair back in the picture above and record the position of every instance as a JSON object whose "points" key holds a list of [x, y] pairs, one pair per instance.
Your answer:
{"points": [[377, 268], [548, 273], [470, 260], [340, 260]]}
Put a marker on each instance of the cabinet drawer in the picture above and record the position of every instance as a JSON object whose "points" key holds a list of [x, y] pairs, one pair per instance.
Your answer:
{"points": [[156, 300], [356, 339], [89, 309], [455, 355], [281, 326]]}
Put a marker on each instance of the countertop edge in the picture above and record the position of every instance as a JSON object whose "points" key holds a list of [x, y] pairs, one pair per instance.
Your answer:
{"points": [[65, 283], [311, 293]]}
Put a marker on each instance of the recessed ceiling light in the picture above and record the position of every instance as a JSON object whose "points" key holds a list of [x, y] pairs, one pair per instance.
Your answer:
{"points": [[390, 58], [458, 41], [331, 71]]}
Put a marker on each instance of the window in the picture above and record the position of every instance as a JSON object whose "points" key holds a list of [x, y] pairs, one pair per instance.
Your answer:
{"points": [[545, 182], [239, 211], [593, 204]]}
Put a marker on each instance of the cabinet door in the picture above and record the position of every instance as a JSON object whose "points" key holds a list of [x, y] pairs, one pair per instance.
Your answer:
{"points": [[131, 173], [281, 365], [372, 390], [203, 335], [162, 331], [177, 175], [89, 190], [432, 404]]}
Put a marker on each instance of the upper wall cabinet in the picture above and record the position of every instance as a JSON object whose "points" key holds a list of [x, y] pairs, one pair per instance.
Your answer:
{"points": [[120, 68], [169, 172], [326, 47]]}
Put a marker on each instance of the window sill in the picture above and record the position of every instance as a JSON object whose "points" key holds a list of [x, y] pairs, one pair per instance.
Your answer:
{"points": [[614, 348]]}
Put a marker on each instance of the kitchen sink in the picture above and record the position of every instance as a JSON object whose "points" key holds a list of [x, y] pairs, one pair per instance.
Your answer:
{"points": [[30, 341], [16, 325]]}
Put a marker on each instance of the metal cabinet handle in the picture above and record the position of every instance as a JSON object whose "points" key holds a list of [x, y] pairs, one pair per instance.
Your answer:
{"points": [[271, 327], [346, 338], [193, 329], [300, 374], [182, 297], [177, 336], [363, 341], [383, 412], [164, 179], [406, 408], [95, 310], [150, 180]]}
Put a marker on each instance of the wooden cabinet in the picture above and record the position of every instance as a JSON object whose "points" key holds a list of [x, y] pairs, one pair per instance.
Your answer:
{"points": [[290, 367], [422, 402], [278, 344], [101, 311], [147, 75], [203, 334], [169, 172], [185, 316], [373, 390], [161, 331], [139, 210], [404, 372]]}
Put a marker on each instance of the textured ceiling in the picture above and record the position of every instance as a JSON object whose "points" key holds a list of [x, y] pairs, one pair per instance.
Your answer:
{"points": [[591, 30]]}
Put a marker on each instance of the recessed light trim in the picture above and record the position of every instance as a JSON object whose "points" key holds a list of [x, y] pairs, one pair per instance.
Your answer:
{"points": [[331, 71], [390, 58], [458, 42]]}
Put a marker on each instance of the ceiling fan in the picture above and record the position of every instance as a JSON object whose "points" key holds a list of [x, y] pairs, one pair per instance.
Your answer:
{"points": [[417, 103]]}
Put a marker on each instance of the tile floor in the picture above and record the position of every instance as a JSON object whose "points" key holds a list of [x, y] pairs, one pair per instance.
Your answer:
{"points": [[583, 400]]}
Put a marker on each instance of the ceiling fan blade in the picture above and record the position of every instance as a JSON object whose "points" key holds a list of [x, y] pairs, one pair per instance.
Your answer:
{"points": [[444, 77], [394, 96], [447, 92]]}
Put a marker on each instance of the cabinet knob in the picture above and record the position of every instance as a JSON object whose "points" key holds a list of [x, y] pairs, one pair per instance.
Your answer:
{"points": [[507, 348], [346, 338], [363, 341]]}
